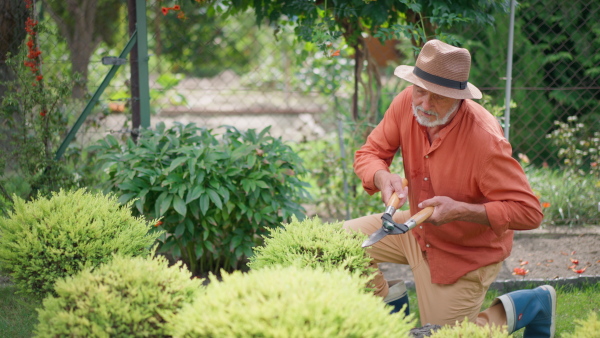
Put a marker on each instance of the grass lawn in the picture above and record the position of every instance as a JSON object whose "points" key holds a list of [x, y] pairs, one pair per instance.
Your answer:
{"points": [[17, 312], [18, 315]]}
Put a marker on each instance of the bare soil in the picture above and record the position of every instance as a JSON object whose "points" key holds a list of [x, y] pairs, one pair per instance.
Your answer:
{"points": [[548, 253]]}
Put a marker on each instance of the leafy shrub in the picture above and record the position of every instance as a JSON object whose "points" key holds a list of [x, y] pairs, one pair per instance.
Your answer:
{"points": [[471, 330], [124, 298], [214, 195], [587, 328], [50, 238], [289, 302], [311, 243]]}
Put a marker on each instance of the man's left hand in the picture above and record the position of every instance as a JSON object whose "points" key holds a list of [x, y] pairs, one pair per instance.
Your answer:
{"points": [[448, 210]]}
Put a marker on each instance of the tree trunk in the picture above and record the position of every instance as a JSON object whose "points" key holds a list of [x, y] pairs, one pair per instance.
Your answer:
{"points": [[12, 33], [13, 14], [81, 37]]}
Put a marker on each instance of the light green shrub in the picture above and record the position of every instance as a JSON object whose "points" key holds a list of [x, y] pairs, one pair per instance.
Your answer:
{"points": [[50, 238], [289, 302], [587, 328], [471, 330], [311, 243], [124, 298]]}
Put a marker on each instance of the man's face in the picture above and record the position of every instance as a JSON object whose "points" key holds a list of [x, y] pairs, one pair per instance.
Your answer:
{"points": [[432, 110]]}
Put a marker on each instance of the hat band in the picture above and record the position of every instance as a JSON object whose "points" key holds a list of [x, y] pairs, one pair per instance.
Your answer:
{"points": [[439, 80]]}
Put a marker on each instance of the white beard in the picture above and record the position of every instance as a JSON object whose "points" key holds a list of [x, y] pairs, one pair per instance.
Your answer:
{"points": [[422, 120]]}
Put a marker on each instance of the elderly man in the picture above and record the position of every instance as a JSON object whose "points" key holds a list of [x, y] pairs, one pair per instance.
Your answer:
{"points": [[456, 160]]}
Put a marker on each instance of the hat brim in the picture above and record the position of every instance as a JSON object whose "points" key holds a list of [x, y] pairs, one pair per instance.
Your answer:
{"points": [[406, 73]]}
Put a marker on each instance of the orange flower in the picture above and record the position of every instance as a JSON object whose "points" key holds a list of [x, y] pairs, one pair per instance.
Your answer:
{"points": [[580, 271], [574, 261], [594, 164], [524, 263], [181, 16], [545, 205], [159, 223], [43, 113], [176, 8], [165, 10], [520, 271], [39, 77], [336, 53]]}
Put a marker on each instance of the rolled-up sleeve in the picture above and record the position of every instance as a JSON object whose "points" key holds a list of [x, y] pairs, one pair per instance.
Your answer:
{"points": [[511, 202]]}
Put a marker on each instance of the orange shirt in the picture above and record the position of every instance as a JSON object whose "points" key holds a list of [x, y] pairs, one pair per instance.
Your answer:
{"points": [[472, 162]]}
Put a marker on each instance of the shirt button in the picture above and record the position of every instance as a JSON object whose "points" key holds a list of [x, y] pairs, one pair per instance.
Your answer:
{"points": [[427, 245], [425, 179], [426, 156], [420, 227]]}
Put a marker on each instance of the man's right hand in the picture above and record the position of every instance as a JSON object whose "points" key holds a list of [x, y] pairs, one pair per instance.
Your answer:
{"points": [[388, 184]]}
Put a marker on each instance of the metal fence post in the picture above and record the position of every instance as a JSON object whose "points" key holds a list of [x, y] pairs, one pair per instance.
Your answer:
{"points": [[142, 48], [509, 57]]}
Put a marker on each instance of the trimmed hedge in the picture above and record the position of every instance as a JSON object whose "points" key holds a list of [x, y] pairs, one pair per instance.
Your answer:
{"points": [[471, 330], [289, 302], [587, 328], [311, 243], [50, 238], [125, 298]]}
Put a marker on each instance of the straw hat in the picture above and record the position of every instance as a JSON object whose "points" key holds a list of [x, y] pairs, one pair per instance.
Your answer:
{"points": [[442, 69]]}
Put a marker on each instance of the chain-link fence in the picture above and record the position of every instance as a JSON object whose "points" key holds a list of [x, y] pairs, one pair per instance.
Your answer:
{"points": [[215, 70]]}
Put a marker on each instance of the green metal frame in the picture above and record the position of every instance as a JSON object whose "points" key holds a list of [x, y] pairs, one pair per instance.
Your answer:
{"points": [[142, 47]]}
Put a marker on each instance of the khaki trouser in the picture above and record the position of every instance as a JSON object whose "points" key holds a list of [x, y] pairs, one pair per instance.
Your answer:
{"points": [[438, 303]]}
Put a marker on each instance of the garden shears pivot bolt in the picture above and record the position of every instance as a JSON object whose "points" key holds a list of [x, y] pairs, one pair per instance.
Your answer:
{"points": [[389, 227]]}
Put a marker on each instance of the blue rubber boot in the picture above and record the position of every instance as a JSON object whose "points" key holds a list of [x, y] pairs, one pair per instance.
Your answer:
{"points": [[397, 297], [534, 310]]}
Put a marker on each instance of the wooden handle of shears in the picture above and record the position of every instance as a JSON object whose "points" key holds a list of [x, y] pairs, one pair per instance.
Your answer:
{"points": [[422, 215], [394, 201]]}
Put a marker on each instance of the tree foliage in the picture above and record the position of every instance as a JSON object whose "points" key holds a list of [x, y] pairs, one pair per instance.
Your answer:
{"points": [[205, 44], [320, 22]]}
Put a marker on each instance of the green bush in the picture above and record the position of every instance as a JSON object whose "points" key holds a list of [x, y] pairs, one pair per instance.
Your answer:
{"points": [[587, 328], [50, 238], [214, 195], [124, 298], [311, 243], [471, 330], [289, 302]]}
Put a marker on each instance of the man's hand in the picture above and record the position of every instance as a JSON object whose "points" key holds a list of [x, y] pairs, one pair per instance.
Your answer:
{"points": [[390, 183], [448, 210]]}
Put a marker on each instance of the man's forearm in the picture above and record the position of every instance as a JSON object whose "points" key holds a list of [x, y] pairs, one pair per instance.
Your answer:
{"points": [[474, 213]]}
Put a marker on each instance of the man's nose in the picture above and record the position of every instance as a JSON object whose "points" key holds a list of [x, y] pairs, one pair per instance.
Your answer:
{"points": [[426, 103]]}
